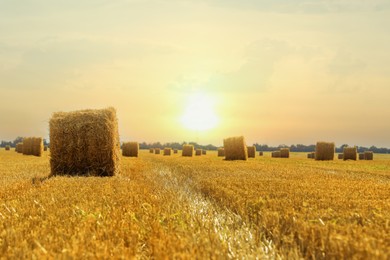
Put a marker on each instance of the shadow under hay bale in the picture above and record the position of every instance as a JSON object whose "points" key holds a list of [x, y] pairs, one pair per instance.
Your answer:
{"points": [[350, 153], [198, 152], [221, 152], [85, 142], [188, 150], [130, 149], [368, 155], [235, 148], [251, 151], [167, 151], [324, 151], [284, 152]]}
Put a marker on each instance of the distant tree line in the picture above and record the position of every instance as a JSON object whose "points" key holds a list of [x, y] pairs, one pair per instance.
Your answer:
{"points": [[210, 147]]}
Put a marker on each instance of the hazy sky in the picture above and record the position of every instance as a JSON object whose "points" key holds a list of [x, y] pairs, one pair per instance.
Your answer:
{"points": [[277, 72]]}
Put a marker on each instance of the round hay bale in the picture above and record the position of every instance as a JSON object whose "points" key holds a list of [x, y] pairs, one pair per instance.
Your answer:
{"points": [[85, 142], [175, 151], [198, 152], [324, 151], [167, 151], [151, 150], [188, 150], [204, 152], [45, 148], [284, 152], [275, 154], [361, 156], [221, 152], [251, 151], [130, 149], [7, 148], [309, 156], [350, 153], [368, 155], [33, 146], [235, 148], [156, 150], [19, 148], [261, 153], [340, 156]]}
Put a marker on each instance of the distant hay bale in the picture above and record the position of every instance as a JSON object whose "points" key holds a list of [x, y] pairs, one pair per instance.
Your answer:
{"points": [[309, 156], [198, 152], [33, 146], [350, 153], [85, 142], [313, 155], [19, 148], [235, 148], [188, 150], [130, 149], [221, 152], [276, 154], [156, 150], [204, 152], [284, 152], [368, 155], [261, 153], [7, 148], [175, 151], [167, 151], [151, 150], [45, 148], [324, 151], [251, 151], [340, 156], [361, 156]]}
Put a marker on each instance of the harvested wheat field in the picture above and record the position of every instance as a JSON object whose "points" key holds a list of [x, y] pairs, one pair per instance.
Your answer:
{"points": [[200, 207]]}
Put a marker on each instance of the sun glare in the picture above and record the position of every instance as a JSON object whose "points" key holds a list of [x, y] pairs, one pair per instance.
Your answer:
{"points": [[199, 114]]}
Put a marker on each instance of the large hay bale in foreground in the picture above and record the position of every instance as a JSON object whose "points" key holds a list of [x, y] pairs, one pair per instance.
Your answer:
{"points": [[361, 156], [340, 156], [130, 149], [156, 150], [324, 151], [188, 150], [350, 153], [33, 146], [284, 152], [251, 151], [151, 150], [275, 154], [85, 142], [198, 152], [235, 148], [368, 155], [7, 148], [221, 152], [167, 151]]}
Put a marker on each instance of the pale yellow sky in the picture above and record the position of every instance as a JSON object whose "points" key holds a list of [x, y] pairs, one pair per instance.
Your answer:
{"points": [[277, 72]]}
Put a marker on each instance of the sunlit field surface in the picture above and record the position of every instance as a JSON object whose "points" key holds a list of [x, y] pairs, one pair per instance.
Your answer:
{"points": [[203, 207]]}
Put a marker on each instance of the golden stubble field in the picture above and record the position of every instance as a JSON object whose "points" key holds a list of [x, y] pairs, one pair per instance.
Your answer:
{"points": [[200, 207]]}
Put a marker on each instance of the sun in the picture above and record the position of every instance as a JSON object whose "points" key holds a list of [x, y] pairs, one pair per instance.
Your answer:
{"points": [[199, 114]]}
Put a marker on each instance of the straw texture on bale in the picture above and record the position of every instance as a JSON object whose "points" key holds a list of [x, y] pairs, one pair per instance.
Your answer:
{"points": [[85, 142], [284, 152], [19, 148], [188, 150], [251, 151], [130, 149], [235, 148], [340, 156], [7, 148], [350, 153], [167, 151], [221, 152], [156, 150], [33, 146], [175, 151], [368, 155], [275, 154], [324, 151], [204, 152], [261, 153], [151, 150], [198, 152], [361, 156]]}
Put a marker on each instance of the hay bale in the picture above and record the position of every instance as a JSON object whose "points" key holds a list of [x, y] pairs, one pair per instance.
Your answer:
{"points": [[204, 152], [324, 151], [198, 152], [130, 149], [368, 155], [27, 146], [45, 148], [221, 152], [19, 148], [361, 156], [235, 148], [275, 154], [156, 150], [340, 156], [7, 148], [251, 151], [33, 146], [261, 153], [284, 152], [309, 156], [175, 151], [85, 142], [350, 153], [151, 150], [188, 150], [167, 151]]}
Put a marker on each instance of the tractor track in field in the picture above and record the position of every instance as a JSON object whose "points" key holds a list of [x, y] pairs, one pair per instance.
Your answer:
{"points": [[232, 232]]}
